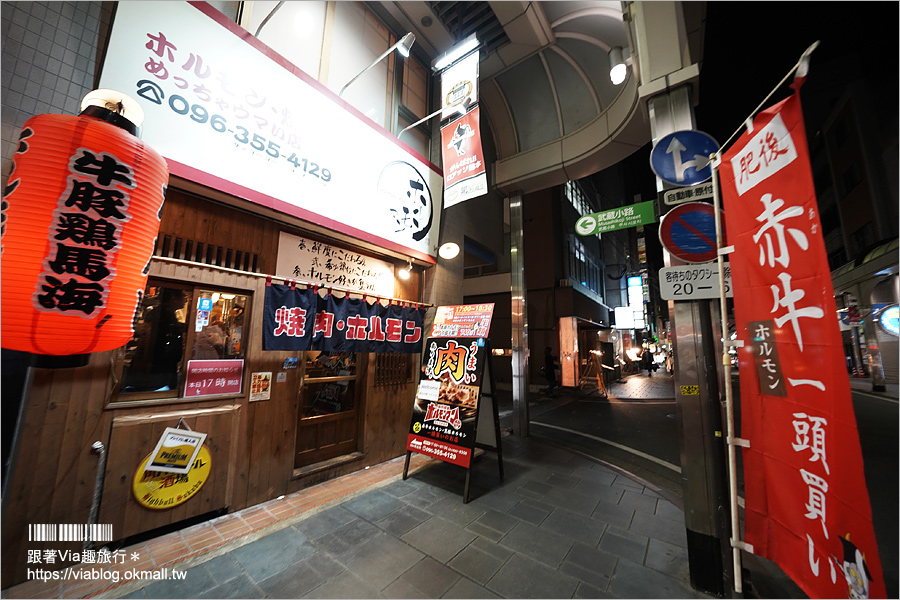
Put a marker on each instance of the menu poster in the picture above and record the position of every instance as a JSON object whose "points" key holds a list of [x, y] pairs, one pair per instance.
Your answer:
{"points": [[446, 405], [467, 320]]}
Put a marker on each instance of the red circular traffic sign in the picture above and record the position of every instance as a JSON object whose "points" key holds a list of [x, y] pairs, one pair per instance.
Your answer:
{"points": [[688, 232]]}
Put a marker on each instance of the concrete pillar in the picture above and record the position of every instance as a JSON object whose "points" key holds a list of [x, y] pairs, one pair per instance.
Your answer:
{"points": [[668, 80]]}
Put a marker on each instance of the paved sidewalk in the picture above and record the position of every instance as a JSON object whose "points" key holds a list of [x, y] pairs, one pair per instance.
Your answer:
{"points": [[864, 384], [639, 386], [557, 526]]}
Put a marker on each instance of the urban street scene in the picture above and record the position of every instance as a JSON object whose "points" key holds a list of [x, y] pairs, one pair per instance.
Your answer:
{"points": [[449, 299]]}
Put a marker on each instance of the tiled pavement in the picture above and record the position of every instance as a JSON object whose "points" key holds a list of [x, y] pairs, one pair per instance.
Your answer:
{"points": [[641, 387], [557, 526]]}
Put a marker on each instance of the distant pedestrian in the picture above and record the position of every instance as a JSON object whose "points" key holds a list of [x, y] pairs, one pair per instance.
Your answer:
{"points": [[647, 361], [549, 370]]}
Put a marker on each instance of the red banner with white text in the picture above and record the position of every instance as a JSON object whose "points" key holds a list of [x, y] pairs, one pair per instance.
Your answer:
{"points": [[807, 505], [464, 167]]}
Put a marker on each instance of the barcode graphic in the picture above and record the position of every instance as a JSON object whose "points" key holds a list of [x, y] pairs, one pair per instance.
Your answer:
{"points": [[56, 532]]}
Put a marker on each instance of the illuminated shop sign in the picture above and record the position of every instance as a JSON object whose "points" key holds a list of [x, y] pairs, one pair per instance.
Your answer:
{"points": [[889, 319], [228, 116]]}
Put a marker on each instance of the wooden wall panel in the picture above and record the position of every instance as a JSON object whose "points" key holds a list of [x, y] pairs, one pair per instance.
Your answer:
{"points": [[389, 409], [53, 478], [135, 433]]}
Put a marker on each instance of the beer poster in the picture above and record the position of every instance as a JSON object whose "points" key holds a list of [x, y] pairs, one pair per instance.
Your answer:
{"points": [[175, 451]]}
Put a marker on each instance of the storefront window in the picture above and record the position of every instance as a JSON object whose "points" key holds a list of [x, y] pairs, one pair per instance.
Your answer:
{"points": [[330, 384], [219, 326], [153, 356], [173, 321]]}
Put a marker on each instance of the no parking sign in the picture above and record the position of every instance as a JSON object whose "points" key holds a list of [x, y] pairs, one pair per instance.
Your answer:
{"points": [[688, 232]]}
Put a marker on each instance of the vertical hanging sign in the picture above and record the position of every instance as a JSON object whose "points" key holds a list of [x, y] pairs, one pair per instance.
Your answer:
{"points": [[807, 506], [464, 171], [459, 86]]}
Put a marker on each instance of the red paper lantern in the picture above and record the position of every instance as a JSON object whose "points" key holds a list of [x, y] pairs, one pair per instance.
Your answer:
{"points": [[81, 213]]}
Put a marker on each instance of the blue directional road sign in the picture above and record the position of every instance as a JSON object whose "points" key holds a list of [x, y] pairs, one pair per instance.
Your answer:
{"points": [[682, 158], [688, 232]]}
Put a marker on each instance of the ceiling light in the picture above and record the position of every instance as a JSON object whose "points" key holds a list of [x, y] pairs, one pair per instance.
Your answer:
{"points": [[617, 68], [456, 53]]}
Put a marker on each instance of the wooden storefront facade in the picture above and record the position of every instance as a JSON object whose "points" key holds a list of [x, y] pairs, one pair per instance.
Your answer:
{"points": [[259, 449]]}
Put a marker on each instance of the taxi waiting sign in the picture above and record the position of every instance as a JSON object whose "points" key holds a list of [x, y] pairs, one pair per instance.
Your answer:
{"points": [[693, 282], [624, 217]]}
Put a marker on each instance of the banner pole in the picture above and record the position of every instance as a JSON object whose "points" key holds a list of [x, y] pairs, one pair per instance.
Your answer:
{"points": [[729, 396]]}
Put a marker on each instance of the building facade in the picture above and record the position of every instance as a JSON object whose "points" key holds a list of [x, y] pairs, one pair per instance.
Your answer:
{"points": [[294, 418], [285, 151]]}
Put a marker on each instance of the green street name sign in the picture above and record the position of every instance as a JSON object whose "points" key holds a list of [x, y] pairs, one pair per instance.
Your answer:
{"points": [[633, 215]]}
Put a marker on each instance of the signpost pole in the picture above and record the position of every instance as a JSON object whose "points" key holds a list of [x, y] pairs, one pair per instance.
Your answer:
{"points": [[729, 395], [697, 378]]}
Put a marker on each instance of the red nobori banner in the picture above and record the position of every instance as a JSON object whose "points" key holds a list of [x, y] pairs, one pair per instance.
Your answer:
{"points": [[464, 173], [807, 505]]}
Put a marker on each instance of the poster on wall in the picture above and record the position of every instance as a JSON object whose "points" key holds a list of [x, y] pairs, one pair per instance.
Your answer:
{"points": [[446, 405], [252, 125], [176, 450], [260, 386]]}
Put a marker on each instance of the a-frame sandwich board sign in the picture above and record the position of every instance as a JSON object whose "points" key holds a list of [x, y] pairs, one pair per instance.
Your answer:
{"points": [[449, 417]]}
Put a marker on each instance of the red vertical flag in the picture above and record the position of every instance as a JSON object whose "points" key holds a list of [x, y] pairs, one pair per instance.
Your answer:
{"points": [[807, 506]]}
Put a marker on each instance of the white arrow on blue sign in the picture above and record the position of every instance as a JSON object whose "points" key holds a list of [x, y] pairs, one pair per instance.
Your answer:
{"points": [[682, 157]]}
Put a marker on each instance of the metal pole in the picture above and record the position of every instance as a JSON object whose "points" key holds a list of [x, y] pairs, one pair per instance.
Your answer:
{"points": [[729, 398], [420, 121], [98, 493], [519, 316]]}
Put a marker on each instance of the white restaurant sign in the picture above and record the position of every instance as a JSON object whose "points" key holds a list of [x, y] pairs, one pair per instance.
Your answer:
{"points": [[227, 112], [330, 265]]}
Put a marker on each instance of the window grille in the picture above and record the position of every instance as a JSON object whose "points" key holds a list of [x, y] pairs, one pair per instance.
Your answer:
{"points": [[184, 249], [393, 369]]}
